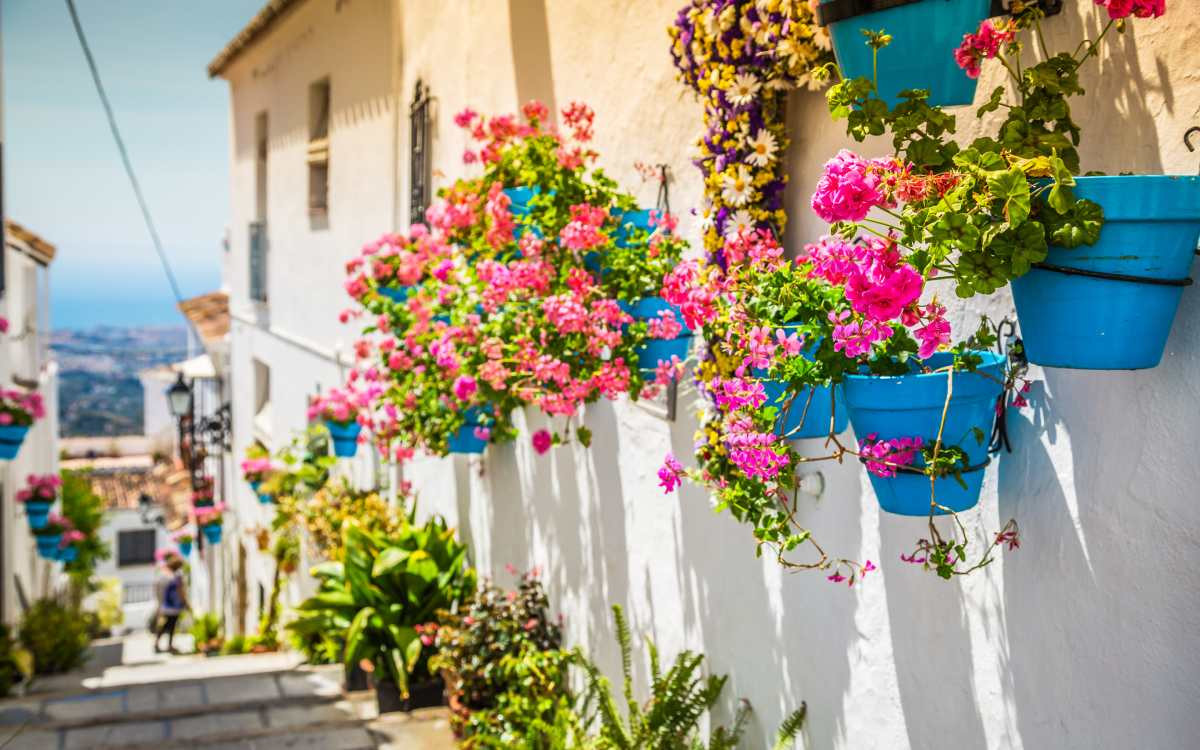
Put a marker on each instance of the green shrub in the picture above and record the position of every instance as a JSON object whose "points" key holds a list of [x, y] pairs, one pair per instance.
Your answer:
{"points": [[16, 664], [85, 510], [234, 645], [56, 635], [206, 632], [536, 712], [482, 648], [386, 588]]}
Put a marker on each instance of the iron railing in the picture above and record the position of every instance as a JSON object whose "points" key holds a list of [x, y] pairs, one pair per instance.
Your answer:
{"points": [[419, 158]]}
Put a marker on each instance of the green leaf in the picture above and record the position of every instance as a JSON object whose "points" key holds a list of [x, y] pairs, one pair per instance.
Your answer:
{"points": [[389, 560], [356, 640], [1012, 188]]}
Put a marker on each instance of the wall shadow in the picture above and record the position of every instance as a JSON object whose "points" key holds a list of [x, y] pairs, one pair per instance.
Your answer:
{"points": [[799, 652], [529, 32]]}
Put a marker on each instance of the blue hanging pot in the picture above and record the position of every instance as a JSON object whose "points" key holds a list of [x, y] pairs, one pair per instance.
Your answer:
{"points": [[212, 532], [185, 548], [67, 554], [255, 485], [47, 544], [924, 34], [37, 512], [345, 437], [464, 440], [11, 438], [397, 294], [911, 406], [1110, 306], [805, 417], [265, 498], [629, 223], [652, 351]]}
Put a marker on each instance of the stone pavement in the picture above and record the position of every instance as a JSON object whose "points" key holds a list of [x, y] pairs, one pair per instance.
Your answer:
{"points": [[251, 702]]}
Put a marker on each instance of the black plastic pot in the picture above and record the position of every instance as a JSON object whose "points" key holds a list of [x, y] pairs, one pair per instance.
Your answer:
{"points": [[356, 679], [420, 695]]}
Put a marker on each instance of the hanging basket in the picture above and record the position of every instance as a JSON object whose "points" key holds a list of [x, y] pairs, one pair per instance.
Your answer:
{"points": [[464, 440], [265, 498], [652, 351], [911, 406], [924, 34], [37, 512], [68, 554], [345, 437], [1110, 306], [629, 223], [11, 438], [47, 544], [185, 549], [793, 421], [212, 532]]}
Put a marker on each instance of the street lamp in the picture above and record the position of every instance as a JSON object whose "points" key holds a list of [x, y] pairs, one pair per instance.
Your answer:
{"points": [[179, 398]]}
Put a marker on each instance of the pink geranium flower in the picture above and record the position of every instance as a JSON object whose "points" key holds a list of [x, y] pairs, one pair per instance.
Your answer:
{"points": [[542, 441]]}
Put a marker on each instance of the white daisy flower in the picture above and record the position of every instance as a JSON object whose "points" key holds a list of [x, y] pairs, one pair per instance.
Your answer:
{"points": [[745, 88], [762, 148], [735, 186], [738, 222]]}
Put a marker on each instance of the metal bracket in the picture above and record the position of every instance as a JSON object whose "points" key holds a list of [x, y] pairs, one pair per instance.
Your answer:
{"points": [[1004, 7]]}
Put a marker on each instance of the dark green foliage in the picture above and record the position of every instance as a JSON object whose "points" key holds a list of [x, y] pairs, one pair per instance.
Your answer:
{"points": [[56, 635], [11, 671], [85, 509]]}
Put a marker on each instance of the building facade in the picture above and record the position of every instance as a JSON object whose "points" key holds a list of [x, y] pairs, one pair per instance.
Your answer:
{"points": [[26, 364], [1094, 612]]}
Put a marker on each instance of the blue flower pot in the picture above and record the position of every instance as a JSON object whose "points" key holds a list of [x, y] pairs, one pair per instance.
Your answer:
{"points": [[185, 548], [265, 498], [397, 293], [37, 512], [1150, 231], [67, 554], [653, 351], [464, 439], [345, 438], [11, 437], [47, 545], [911, 406], [628, 223], [212, 532], [255, 485], [921, 55], [797, 424]]}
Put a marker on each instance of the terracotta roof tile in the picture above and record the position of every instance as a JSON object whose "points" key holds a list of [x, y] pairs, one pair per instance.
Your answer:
{"points": [[259, 25], [209, 313], [36, 243]]}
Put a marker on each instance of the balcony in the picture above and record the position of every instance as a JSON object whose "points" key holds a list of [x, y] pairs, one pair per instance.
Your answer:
{"points": [[258, 261]]}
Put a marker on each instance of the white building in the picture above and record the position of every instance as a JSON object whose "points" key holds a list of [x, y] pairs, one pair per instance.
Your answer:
{"points": [[25, 363], [1081, 639]]}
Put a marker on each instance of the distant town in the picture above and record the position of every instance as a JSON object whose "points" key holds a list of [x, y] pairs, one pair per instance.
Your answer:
{"points": [[99, 393]]}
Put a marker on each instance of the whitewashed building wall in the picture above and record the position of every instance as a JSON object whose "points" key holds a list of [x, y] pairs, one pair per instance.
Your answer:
{"points": [[1081, 639]]}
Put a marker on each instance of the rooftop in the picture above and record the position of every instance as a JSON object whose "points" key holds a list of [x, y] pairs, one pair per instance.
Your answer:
{"points": [[31, 241], [209, 313], [258, 26]]}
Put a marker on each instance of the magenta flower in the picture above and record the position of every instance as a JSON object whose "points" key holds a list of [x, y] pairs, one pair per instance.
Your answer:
{"points": [[670, 474], [850, 187], [542, 441]]}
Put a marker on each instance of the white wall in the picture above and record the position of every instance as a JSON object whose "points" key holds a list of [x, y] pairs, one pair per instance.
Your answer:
{"points": [[1082, 639], [23, 355], [115, 521], [296, 333]]}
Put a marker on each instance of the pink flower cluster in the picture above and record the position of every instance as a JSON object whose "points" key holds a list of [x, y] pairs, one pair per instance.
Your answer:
{"points": [[585, 230], [341, 405], [686, 288], [41, 488], [670, 475], [983, 44], [183, 536], [71, 536], [756, 453], [851, 186], [209, 514], [1139, 8], [883, 456], [255, 469], [18, 408]]}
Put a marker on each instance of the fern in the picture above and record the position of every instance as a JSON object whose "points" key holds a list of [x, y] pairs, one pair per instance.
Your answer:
{"points": [[791, 727]]}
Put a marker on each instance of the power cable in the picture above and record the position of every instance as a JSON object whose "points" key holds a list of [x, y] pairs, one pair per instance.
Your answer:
{"points": [[137, 188]]}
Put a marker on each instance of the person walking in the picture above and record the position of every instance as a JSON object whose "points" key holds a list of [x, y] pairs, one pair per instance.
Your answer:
{"points": [[172, 602]]}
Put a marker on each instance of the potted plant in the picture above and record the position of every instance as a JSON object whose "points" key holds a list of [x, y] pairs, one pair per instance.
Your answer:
{"points": [[921, 37], [209, 520], [68, 550], [386, 587], [339, 410], [256, 469], [184, 538], [38, 496], [18, 411], [1011, 207], [474, 644], [50, 535], [203, 495]]}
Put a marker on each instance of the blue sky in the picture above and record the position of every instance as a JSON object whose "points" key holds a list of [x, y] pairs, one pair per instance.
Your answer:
{"points": [[63, 176]]}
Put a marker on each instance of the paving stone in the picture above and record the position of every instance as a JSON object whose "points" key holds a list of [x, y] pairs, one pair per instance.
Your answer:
{"points": [[347, 738], [424, 729], [30, 740], [141, 698], [300, 684], [19, 712], [291, 716], [87, 706], [242, 689], [192, 727], [114, 734], [187, 695]]}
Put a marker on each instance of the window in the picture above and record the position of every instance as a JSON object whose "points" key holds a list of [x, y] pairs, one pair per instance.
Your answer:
{"points": [[262, 402], [135, 547], [318, 147], [419, 161]]}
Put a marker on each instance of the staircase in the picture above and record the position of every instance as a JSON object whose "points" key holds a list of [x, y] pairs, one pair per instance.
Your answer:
{"points": [[251, 702]]}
